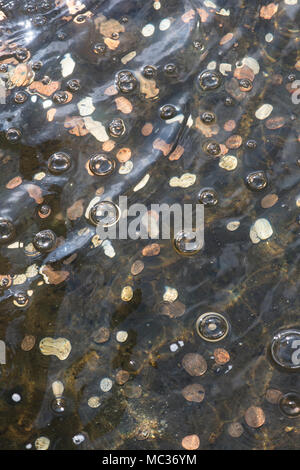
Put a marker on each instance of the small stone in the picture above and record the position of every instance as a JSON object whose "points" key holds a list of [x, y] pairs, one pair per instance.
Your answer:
{"points": [[127, 293], [16, 397], [228, 162], [106, 384], [60, 347], [232, 226], [185, 181], [260, 230], [121, 336], [151, 250], [94, 402], [269, 201], [170, 294], [264, 111], [42, 443]]}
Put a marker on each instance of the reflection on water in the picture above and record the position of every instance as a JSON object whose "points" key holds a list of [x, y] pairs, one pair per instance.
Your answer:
{"points": [[163, 102]]}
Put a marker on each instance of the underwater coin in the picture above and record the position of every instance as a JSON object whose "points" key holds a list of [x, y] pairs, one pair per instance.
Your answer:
{"points": [[285, 349], [212, 326]]}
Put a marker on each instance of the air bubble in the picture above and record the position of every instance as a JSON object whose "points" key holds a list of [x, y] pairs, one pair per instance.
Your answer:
{"points": [[257, 180], [100, 165], [13, 135], [99, 48], [289, 404], [60, 97], [149, 71], [7, 230], [105, 214], [187, 243], [21, 299], [251, 144], [285, 349], [208, 197], [208, 117], [167, 111], [21, 97], [116, 128], [212, 148], [126, 81], [58, 405], [212, 326], [170, 69], [44, 241], [209, 80], [73, 85], [21, 54], [59, 162]]}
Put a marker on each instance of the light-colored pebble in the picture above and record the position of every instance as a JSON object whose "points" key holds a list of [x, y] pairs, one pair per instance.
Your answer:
{"points": [[148, 30], [186, 180], [106, 384], [60, 347], [121, 336], [94, 402], [16, 397], [164, 24], [260, 230], [232, 226], [67, 65], [127, 293], [170, 294], [58, 388], [86, 106], [142, 183], [96, 128], [264, 111], [42, 443], [228, 162]]}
